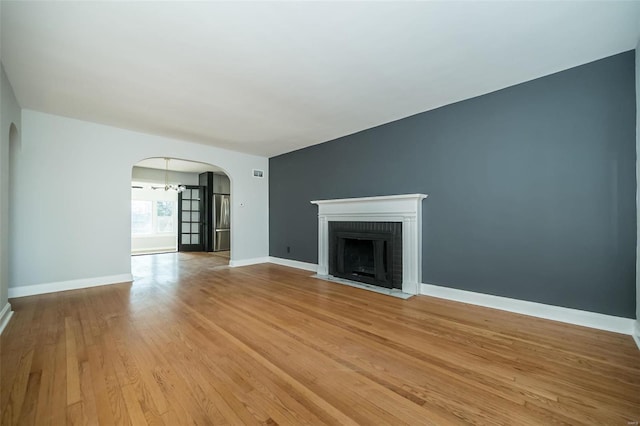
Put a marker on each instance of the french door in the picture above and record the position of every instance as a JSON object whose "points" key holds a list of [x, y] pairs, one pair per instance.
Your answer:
{"points": [[190, 219]]}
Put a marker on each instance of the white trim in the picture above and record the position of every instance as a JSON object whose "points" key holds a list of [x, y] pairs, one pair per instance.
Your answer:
{"points": [[294, 264], [276, 260], [31, 290], [636, 332], [247, 262], [5, 316], [367, 199], [404, 208], [534, 309], [154, 250]]}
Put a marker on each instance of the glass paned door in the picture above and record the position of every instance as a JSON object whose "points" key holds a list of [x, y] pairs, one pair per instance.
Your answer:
{"points": [[190, 206]]}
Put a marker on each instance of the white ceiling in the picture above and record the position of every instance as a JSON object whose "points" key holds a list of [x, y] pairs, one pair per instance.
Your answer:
{"points": [[267, 78]]}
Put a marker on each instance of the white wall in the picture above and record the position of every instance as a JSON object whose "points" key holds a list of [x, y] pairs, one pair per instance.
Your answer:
{"points": [[154, 243], [144, 174], [9, 113], [637, 331], [68, 228]]}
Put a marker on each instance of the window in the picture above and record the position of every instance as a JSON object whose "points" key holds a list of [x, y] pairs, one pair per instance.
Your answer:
{"points": [[153, 217], [165, 211], [141, 218]]}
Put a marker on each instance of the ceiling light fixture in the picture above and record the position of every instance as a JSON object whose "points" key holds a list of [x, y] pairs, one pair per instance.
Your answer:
{"points": [[167, 187]]}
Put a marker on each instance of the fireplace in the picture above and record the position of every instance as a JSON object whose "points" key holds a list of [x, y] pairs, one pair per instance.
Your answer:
{"points": [[404, 209], [368, 252]]}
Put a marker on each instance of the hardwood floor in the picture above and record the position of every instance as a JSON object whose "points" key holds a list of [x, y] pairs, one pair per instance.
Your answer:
{"points": [[195, 342]]}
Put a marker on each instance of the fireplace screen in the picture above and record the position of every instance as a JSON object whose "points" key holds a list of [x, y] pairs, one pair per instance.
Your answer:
{"points": [[369, 252]]}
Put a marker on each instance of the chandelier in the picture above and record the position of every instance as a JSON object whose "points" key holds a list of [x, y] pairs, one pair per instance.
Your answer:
{"points": [[167, 187]]}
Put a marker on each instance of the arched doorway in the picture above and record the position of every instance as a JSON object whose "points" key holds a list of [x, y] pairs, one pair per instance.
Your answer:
{"points": [[8, 222], [180, 205], [15, 146]]}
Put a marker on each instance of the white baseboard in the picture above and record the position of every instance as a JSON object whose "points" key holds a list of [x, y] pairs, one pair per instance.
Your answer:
{"points": [[31, 290], [154, 250], [277, 260], [294, 264], [247, 262], [636, 332], [540, 310], [5, 316]]}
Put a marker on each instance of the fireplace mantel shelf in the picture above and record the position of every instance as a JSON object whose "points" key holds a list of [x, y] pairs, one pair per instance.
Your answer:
{"points": [[369, 199], [405, 208]]}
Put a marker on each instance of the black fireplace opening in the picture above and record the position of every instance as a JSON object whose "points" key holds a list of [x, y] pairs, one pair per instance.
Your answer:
{"points": [[368, 252]]}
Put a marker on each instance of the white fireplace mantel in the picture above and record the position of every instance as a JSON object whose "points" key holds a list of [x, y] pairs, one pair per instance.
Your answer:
{"points": [[405, 208]]}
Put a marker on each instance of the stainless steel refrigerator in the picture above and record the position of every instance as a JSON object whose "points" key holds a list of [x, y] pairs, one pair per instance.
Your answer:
{"points": [[222, 222]]}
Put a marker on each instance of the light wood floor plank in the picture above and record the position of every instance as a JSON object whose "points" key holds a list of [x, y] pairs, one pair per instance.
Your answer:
{"points": [[133, 406], [104, 414], [73, 375]]}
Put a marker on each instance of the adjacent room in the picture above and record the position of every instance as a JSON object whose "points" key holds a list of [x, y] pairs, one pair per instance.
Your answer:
{"points": [[319, 213], [179, 206]]}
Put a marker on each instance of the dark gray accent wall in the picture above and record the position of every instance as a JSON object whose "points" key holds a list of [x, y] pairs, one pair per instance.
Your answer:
{"points": [[531, 188]]}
